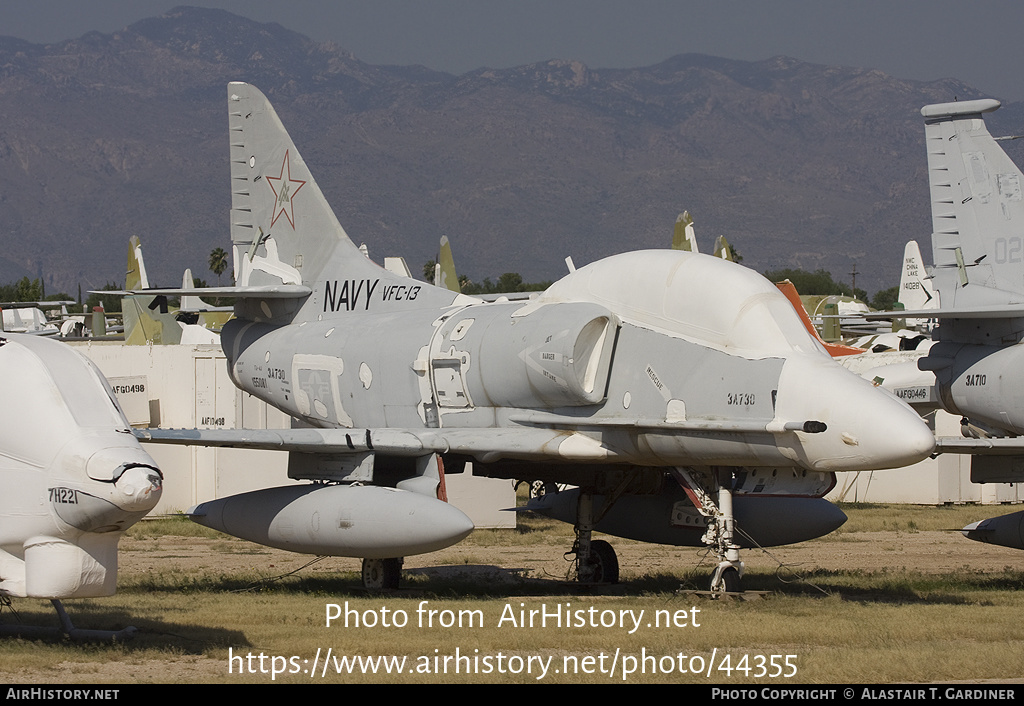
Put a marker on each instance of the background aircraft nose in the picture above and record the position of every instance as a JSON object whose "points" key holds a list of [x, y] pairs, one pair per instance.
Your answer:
{"points": [[867, 428]]}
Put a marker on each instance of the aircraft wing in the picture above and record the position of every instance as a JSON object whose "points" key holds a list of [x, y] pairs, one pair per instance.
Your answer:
{"points": [[36, 305], [483, 444], [1004, 446], [551, 439]]}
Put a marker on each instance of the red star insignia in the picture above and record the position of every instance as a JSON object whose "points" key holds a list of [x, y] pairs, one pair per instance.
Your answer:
{"points": [[284, 188]]}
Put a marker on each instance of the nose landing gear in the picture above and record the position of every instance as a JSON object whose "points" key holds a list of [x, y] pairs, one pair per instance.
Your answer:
{"points": [[710, 491]]}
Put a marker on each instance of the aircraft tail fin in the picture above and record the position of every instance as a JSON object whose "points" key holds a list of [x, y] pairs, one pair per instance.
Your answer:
{"points": [[722, 248], [917, 288], [683, 236], [135, 274], [293, 260], [446, 266], [144, 321], [977, 209], [189, 302], [283, 231]]}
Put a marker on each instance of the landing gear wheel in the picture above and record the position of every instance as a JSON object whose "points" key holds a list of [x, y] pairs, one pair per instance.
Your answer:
{"points": [[380, 574], [605, 563], [728, 582]]}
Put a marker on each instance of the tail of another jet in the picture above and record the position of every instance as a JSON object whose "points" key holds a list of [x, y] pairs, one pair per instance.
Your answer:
{"points": [[447, 279], [135, 273], [917, 289], [977, 210], [722, 249], [145, 317], [683, 236]]}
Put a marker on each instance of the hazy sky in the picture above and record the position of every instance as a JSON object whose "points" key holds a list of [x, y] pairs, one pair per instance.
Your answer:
{"points": [[978, 42]]}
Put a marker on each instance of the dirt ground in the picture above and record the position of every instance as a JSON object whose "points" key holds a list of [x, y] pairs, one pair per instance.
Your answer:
{"points": [[925, 551]]}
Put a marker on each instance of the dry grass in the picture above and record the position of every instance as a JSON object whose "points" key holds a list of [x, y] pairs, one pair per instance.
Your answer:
{"points": [[877, 517], [843, 624]]}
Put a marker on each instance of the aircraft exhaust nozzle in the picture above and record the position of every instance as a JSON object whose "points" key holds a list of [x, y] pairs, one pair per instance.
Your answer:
{"points": [[338, 520]]}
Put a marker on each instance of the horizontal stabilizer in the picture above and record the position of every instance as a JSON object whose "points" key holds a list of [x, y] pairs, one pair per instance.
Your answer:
{"points": [[1010, 310], [277, 291]]}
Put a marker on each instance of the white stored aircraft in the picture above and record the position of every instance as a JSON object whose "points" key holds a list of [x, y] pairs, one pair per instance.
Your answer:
{"points": [[977, 196], [73, 477], [679, 392], [28, 317]]}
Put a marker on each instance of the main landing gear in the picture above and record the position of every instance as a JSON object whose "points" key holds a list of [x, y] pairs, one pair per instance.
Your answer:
{"points": [[382, 574], [595, 558], [710, 491]]}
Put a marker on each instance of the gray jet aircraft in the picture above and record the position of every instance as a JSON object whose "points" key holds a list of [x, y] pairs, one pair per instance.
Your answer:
{"points": [[978, 251], [678, 392], [73, 476]]}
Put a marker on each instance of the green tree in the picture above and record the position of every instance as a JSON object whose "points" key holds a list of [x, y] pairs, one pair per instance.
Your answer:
{"points": [[218, 262], [507, 283], [885, 299], [24, 290], [815, 283], [428, 270]]}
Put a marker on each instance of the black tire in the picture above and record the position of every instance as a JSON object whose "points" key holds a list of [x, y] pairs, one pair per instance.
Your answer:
{"points": [[381, 574], [731, 581], [602, 555]]}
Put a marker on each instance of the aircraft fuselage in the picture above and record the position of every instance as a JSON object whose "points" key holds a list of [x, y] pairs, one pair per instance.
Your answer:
{"points": [[673, 375]]}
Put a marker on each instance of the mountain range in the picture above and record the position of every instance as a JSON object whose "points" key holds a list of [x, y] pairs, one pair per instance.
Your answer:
{"points": [[799, 165]]}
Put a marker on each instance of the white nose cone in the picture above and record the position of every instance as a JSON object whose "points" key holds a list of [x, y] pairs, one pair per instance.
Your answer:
{"points": [[866, 427], [138, 489], [128, 475]]}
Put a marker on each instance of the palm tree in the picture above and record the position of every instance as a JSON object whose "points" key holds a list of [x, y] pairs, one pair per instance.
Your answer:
{"points": [[218, 262]]}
